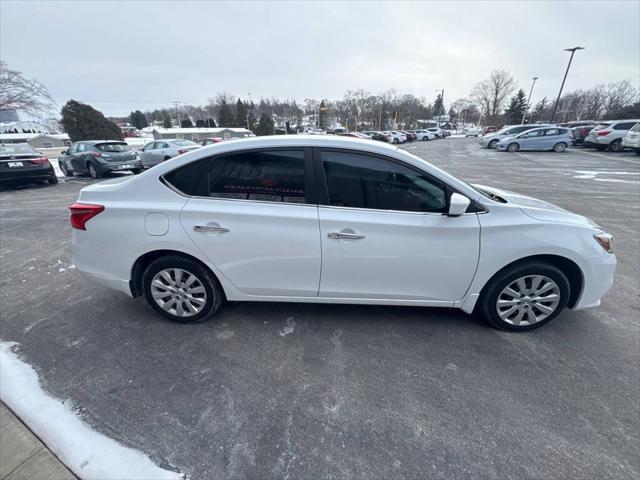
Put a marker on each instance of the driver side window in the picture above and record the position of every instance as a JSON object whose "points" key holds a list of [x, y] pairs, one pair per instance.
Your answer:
{"points": [[363, 181]]}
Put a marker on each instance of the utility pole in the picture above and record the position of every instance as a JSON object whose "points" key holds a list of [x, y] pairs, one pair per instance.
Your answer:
{"points": [[528, 100], [175, 103], [573, 51], [248, 111]]}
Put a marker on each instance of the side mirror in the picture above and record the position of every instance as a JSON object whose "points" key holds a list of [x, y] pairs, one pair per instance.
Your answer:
{"points": [[64, 152], [458, 204]]}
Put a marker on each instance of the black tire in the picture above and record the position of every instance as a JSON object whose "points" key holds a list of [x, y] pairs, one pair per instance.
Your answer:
{"points": [[513, 147], [167, 158], [94, 171], [214, 293], [616, 146], [425, 138], [560, 147], [489, 297], [637, 151], [65, 170], [492, 144], [52, 180], [137, 171], [396, 141]]}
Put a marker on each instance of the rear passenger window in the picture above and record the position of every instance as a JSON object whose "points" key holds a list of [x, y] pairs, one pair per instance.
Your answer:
{"points": [[552, 131], [624, 126], [363, 181], [272, 176]]}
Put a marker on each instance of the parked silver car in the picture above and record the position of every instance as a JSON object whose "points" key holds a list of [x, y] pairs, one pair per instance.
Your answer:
{"points": [[158, 151], [547, 138], [490, 140]]}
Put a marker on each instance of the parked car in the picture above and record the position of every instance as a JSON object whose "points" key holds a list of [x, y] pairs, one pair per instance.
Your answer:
{"points": [[491, 140], [609, 135], [580, 133], [446, 133], [380, 136], [547, 138], [97, 157], [437, 131], [397, 137], [632, 139], [21, 163], [362, 136], [472, 132], [410, 135], [159, 151], [321, 219], [486, 130], [424, 135], [210, 141]]}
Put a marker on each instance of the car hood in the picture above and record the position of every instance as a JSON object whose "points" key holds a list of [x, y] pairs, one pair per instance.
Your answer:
{"points": [[539, 209]]}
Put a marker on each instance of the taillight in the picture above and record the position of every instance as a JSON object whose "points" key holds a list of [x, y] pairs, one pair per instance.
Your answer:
{"points": [[602, 133], [181, 151], [81, 213], [40, 161], [96, 154]]}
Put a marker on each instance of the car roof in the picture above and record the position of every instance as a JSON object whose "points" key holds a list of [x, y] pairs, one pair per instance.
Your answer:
{"points": [[96, 142]]}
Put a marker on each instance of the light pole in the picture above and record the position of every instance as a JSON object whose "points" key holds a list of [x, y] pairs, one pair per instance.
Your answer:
{"points": [[573, 51], [524, 114]]}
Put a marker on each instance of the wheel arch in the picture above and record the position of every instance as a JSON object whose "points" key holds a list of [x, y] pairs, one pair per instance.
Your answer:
{"points": [[143, 261], [567, 266]]}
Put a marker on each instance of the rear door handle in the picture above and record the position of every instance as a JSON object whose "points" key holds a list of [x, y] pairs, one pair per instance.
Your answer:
{"points": [[210, 229], [345, 236]]}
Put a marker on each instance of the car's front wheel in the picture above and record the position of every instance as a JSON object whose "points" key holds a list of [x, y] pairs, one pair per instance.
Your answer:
{"points": [[181, 290], [396, 141], [560, 147], [524, 296], [65, 171], [513, 147], [492, 144]]}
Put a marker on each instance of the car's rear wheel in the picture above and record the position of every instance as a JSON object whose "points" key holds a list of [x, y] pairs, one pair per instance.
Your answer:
{"points": [[166, 158], [525, 296], [492, 144], [616, 146], [65, 171], [396, 141], [52, 180], [513, 147], [94, 171], [560, 147], [181, 289]]}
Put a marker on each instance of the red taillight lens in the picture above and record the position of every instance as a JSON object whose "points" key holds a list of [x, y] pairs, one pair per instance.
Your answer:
{"points": [[81, 213], [40, 161], [181, 151], [95, 154], [602, 133]]}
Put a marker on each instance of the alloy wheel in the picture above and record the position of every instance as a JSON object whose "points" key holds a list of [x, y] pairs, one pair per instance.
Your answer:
{"points": [[560, 147], [528, 300], [513, 147], [178, 292]]}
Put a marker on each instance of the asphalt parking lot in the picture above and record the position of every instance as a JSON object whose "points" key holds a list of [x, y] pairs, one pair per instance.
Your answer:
{"points": [[346, 392]]}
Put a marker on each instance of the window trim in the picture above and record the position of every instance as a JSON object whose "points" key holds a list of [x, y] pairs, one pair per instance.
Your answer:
{"points": [[323, 188], [309, 180]]}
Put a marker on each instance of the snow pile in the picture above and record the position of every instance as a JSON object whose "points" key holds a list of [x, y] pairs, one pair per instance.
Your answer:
{"points": [[89, 454]]}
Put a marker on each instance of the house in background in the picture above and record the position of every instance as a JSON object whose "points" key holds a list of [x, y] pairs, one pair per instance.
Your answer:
{"points": [[37, 140], [196, 134]]}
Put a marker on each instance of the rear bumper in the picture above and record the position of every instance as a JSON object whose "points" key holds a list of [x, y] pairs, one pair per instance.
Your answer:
{"points": [[26, 175], [118, 166]]}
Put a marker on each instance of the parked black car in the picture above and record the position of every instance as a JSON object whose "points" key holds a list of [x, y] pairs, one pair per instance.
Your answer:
{"points": [[97, 157], [21, 163]]}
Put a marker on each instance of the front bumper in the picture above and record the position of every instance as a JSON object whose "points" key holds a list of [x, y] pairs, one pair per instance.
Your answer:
{"points": [[598, 279]]}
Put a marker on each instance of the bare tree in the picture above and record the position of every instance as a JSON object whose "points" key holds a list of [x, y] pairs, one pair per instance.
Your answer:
{"points": [[492, 94], [24, 94], [619, 95]]}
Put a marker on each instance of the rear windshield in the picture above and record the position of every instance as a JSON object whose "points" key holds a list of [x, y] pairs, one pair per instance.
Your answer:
{"points": [[17, 148], [185, 143], [113, 147], [602, 126], [636, 128]]}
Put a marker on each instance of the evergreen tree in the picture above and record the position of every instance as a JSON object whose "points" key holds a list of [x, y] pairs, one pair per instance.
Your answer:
{"points": [[241, 114], [200, 123], [211, 123], [166, 120], [138, 120], [252, 122], [323, 115], [186, 123], [438, 107], [83, 122], [265, 125], [541, 109], [225, 116], [517, 108]]}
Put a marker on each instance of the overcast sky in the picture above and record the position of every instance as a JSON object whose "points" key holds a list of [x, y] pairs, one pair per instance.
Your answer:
{"points": [[121, 56]]}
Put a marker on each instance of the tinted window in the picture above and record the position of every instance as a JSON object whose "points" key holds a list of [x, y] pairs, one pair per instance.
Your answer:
{"points": [[533, 133], [113, 147], [624, 126], [636, 128], [16, 148], [363, 181], [551, 131], [185, 143], [273, 176], [82, 147]]}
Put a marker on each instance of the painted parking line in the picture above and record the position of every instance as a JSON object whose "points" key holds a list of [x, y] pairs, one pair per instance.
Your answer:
{"points": [[602, 155]]}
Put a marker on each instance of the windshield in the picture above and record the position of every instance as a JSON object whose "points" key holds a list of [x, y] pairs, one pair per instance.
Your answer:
{"points": [[185, 143], [113, 147], [18, 148]]}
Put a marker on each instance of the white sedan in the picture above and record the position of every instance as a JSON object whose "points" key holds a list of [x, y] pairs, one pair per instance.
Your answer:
{"points": [[334, 220]]}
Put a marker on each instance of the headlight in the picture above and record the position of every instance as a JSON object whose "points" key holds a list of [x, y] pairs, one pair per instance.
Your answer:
{"points": [[605, 240]]}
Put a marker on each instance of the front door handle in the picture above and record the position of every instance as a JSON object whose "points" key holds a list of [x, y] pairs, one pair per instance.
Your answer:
{"points": [[345, 236], [210, 229]]}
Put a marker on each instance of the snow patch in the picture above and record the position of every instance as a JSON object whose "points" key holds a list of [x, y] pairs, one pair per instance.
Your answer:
{"points": [[89, 454], [289, 328]]}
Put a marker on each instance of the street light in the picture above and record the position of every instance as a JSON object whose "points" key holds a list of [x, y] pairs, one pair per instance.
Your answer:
{"points": [[573, 51], [524, 114]]}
